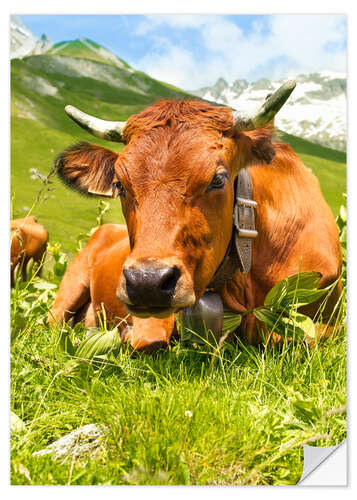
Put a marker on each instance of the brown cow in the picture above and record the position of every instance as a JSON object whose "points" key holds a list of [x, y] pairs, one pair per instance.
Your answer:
{"points": [[28, 241], [175, 179]]}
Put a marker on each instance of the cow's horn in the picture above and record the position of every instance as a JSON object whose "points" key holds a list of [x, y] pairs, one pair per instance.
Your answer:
{"points": [[110, 131], [266, 112]]}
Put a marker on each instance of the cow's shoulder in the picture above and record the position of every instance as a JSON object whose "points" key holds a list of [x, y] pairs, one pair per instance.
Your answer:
{"points": [[108, 233], [106, 238]]}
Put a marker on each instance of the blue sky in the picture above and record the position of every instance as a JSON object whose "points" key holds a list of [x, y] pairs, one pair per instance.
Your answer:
{"points": [[193, 51]]}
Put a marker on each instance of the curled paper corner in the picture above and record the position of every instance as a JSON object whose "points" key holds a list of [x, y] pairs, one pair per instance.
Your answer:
{"points": [[314, 456]]}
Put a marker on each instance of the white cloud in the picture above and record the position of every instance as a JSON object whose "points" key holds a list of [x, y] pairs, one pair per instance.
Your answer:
{"points": [[291, 44], [173, 65], [152, 22]]}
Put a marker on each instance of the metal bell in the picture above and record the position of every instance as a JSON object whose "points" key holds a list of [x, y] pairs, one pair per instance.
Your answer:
{"points": [[203, 322]]}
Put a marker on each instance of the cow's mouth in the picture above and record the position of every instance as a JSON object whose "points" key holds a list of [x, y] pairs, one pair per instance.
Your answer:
{"points": [[147, 312]]}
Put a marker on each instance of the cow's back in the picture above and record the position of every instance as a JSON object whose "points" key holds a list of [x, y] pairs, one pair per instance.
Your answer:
{"points": [[296, 232], [296, 227]]}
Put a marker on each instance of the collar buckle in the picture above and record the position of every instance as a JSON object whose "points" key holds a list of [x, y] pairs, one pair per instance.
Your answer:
{"points": [[244, 204]]}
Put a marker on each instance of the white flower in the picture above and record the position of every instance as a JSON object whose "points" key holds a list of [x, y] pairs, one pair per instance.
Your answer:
{"points": [[188, 414]]}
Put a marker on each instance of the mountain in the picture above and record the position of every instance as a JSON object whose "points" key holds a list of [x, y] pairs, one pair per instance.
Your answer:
{"points": [[52, 80], [103, 85], [316, 110], [83, 48], [23, 42]]}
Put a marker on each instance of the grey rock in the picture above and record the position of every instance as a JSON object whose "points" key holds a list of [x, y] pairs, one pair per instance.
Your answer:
{"points": [[82, 442], [17, 426]]}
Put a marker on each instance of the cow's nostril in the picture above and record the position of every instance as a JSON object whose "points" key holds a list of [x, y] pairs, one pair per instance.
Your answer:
{"points": [[151, 286], [170, 280], [130, 278]]}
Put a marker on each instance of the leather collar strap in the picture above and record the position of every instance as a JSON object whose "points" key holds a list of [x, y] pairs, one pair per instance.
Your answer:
{"points": [[239, 252]]}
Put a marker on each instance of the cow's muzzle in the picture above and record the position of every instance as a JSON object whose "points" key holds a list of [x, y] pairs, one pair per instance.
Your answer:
{"points": [[155, 288]]}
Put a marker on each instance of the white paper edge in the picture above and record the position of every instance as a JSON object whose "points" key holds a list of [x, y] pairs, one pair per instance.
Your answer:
{"points": [[325, 466]]}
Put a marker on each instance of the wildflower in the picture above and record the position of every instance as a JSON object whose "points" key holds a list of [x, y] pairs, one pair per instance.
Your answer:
{"points": [[188, 414]]}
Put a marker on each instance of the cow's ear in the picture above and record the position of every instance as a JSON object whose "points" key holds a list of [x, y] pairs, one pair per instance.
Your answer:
{"points": [[256, 146], [88, 168]]}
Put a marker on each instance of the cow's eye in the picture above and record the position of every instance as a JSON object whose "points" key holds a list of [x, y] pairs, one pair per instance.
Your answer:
{"points": [[118, 189], [217, 181]]}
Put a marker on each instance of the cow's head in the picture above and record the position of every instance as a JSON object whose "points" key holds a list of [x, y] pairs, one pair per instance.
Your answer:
{"points": [[175, 179]]}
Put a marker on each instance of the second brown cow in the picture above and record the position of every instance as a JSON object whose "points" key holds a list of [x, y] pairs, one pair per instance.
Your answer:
{"points": [[28, 241]]}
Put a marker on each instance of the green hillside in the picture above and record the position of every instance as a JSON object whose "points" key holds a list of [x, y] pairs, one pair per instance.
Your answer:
{"points": [[329, 165], [42, 85]]}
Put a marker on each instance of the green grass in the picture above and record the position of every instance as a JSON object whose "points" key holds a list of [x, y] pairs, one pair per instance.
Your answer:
{"points": [[194, 414], [233, 414], [252, 408]]}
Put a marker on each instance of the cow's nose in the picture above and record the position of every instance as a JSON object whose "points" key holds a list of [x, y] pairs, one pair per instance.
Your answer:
{"points": [[150, 285]]}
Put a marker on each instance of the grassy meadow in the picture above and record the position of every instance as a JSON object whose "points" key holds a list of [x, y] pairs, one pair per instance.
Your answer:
{"points": [[194, 414], [190, 415]]}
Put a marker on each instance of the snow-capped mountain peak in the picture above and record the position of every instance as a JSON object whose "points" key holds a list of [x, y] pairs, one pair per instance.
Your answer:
{"points": [[316, 110], [23, 42]]}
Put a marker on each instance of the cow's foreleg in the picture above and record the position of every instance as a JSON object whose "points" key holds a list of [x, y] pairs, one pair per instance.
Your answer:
{"points": [[73, 293]]}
